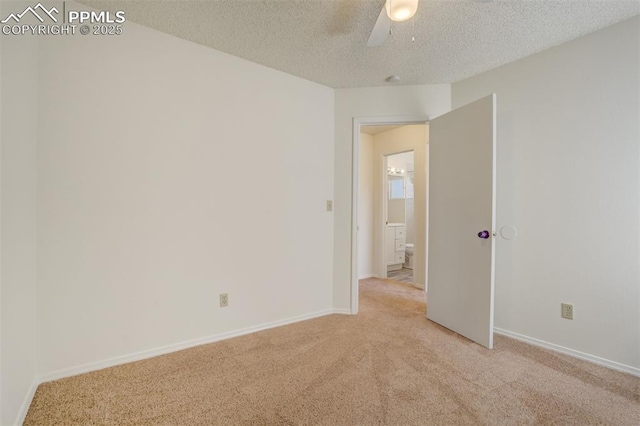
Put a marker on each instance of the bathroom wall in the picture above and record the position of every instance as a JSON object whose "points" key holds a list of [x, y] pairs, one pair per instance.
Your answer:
{"points": [[399, 161]]}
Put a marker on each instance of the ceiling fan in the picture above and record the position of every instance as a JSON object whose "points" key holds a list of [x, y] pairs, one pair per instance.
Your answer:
{"points": [[393, 10]]}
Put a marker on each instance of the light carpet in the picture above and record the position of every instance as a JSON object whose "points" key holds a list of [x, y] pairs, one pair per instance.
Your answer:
{"points": [[387, 365]]}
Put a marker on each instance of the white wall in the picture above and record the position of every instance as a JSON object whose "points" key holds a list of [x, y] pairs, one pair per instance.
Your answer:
{"points": [[140, 136], [399, 161], [568, 167], [18, 263], [368, 102], [365, 202]]}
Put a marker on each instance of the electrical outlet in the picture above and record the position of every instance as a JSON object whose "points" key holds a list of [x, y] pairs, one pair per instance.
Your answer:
{"points": [[567, 311], [329, 205], [224, 300]]}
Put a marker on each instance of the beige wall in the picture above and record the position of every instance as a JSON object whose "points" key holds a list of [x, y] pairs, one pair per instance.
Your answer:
{"points": [[568, 167]]}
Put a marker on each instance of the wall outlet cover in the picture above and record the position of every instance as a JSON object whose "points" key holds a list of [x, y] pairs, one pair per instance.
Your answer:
{"points": [[224, 300], [567, 311]]}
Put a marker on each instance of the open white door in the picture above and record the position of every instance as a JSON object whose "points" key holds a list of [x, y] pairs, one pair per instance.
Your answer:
{"points": [[462, 218]]}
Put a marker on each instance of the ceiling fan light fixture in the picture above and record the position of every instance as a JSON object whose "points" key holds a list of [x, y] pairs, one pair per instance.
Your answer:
{"points": [[401, 10]]}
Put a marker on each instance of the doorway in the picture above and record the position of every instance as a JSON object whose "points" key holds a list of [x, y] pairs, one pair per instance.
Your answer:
{"points": [[399, 235], [462, 216], [392, 182]]}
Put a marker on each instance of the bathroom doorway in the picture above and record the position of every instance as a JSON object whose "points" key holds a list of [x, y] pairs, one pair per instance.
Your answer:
{"points": [[392, 198], [398, 195]]}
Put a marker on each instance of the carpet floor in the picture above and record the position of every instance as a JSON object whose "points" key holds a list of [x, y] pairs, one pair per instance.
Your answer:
{"points": [[387, 365]]}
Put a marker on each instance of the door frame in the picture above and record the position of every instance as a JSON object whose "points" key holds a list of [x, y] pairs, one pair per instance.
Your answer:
{"points": [[358, 122]]}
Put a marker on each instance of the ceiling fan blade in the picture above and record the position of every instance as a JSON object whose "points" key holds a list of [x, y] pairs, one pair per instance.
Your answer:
{"points": [[380, 30]]}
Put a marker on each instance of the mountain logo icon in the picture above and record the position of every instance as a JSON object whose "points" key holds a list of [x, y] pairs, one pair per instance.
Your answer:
{"points": [[43, 11]]}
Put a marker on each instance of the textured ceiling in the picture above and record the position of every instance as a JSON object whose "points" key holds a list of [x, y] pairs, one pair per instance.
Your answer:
{"points": [[325, 40]]}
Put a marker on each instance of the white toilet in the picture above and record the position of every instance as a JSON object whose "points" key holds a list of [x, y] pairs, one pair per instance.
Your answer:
{"points": [[408, 255]]}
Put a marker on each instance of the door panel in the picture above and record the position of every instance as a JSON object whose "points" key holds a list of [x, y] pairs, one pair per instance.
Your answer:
{"points": [[462, 179]]}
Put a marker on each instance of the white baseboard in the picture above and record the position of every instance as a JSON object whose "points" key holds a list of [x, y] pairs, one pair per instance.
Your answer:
{"points": [[28, 398], [99, 365], [342, 311], [365, 276], [571, 352]]}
